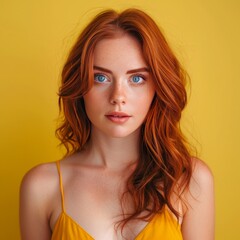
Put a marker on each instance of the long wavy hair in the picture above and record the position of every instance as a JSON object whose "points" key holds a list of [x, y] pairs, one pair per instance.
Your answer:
{"points": [[165, 166]]}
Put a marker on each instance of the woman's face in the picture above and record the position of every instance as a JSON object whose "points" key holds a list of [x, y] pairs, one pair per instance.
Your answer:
{"points": [[123, 89]]}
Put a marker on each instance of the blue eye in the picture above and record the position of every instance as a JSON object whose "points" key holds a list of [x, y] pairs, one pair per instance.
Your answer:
{"points": [[137, 79], [100, 78]]}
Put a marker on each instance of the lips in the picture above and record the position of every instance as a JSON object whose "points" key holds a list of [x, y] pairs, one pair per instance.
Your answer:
{"points": [[117, 117]]}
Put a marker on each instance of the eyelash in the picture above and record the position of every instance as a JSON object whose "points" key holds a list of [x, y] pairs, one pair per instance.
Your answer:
{"points": [[143, 78], [100, 74]]}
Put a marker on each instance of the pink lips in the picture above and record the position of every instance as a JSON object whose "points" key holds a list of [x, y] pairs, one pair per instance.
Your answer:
{"points": [[118, 117]]}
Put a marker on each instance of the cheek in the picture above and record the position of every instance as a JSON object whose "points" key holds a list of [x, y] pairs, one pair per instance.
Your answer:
{"points": [[95, 96], [144, 104], [89, 102], [94, 103], [148, 98], [90, 99]]}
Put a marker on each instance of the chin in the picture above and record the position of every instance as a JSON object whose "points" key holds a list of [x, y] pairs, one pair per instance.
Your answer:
{"points": [[116, 132], [117, 135], [121, 133]]}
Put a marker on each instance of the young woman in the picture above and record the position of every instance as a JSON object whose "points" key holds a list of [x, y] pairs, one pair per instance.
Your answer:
{"points": [[128, 173]]}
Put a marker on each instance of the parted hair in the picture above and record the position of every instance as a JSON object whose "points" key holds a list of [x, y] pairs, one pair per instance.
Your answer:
{"points": [[165, 166]]}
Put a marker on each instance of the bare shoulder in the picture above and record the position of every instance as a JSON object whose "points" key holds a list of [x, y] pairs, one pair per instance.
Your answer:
{"points": [[201, 171], [39, 184], [39, 177], [38, 189], [199, 216], [202, 178]]}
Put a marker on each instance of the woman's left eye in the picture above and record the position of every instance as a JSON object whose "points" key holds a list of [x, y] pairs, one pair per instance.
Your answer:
{"points": [[137, 79]]}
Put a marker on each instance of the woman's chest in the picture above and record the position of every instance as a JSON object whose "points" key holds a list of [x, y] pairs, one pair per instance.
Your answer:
{"points": [[96, 205]]}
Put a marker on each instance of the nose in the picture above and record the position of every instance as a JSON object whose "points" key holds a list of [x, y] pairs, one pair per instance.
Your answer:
{"points": [[118, 94]]}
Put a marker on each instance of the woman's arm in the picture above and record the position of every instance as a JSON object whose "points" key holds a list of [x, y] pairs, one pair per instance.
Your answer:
{"points": [[199, 218], [34, 207]]}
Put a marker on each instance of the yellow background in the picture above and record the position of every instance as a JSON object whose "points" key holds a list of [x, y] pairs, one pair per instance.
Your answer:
{"points": [[35, 37]]}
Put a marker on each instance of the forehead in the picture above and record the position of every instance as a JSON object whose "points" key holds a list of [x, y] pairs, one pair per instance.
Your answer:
{"points": [[122, 49]]}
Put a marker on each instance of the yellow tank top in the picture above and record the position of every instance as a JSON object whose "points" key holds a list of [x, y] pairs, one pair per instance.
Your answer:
{"points": [[162, 226]]}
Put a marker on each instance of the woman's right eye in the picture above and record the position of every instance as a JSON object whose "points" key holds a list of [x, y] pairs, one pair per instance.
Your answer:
{"points": [[100, 78]]}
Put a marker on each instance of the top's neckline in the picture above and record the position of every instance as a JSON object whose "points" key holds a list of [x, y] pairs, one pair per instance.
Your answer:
{"points": [[63, 213]]}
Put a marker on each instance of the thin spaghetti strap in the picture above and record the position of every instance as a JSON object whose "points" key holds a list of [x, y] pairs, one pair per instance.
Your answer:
{"points": [[61, 185], [180, 211]]}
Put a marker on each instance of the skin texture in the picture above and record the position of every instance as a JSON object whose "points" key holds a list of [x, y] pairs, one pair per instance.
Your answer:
{"points": [[94, 179], [124, 88]]}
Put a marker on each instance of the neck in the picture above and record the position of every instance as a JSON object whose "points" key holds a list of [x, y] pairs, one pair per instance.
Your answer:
{"points": [[113, 153]]}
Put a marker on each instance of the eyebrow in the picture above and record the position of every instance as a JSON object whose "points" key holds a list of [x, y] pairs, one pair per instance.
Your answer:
{"points": [[143, 69]]}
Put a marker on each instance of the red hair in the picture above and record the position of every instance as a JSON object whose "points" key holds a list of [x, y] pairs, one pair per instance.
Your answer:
{"points": [[165, 163]]}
